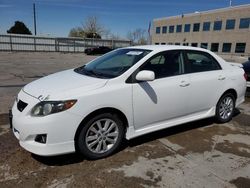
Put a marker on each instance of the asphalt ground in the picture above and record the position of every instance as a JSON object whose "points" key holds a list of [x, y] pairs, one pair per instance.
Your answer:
{"points": [[198, 154]]}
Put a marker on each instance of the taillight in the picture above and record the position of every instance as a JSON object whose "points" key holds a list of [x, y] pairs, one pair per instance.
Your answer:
{"points": [[245, 76]]}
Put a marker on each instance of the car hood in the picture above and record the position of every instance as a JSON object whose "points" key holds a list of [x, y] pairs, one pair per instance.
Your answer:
{"points": [[61, 83]]}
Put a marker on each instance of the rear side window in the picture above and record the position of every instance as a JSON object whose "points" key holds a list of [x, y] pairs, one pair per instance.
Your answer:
{"points": [[165, 64], [197, 61]]}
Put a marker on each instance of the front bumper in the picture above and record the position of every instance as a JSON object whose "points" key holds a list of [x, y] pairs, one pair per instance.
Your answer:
{"points": [[60, 129]]}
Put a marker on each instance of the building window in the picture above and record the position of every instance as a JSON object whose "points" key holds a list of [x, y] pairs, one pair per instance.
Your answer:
{"points": [[187, 28], [196, 27], [194, 44], [164, 29], [163, 43], [158, 30], [215, 47], [178, 28], [230, 24], [244, 23], [204, 45], [240, 47], [217, 25], [171, 29], [226, 47], [177, 43], [206, 26], [185, 44], [157, 43]]}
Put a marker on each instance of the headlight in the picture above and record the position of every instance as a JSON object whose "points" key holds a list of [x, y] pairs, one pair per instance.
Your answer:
{"points": [[45, 108]]}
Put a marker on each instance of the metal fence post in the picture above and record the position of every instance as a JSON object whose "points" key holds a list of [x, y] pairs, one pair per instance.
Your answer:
{"points": [[74, 45], [35, 44], [56, 45], [11, 48]]}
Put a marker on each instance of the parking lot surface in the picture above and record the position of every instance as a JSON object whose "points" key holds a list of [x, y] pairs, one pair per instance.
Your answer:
{"points": [[197, 154]]}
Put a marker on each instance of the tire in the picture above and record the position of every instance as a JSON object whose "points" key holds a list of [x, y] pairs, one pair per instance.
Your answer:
{"points": [[225, 108], [101, 136]]}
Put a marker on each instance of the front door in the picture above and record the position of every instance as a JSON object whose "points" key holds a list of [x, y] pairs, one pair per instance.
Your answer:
{"points": [[164, 98]]}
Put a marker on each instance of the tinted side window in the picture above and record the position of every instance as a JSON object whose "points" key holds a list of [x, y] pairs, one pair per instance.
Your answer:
{"points": [[165, 64], [197, 61]]}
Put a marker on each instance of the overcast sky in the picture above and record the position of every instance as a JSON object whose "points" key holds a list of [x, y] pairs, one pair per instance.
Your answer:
{"points": [[57, 17]]}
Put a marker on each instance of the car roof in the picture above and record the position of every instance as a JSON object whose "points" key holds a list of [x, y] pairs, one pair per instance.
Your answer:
{"points": [[167, 47]]}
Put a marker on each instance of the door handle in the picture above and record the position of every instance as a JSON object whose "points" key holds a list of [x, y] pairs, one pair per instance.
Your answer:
{"points": [[221, 78], [184, 84]]}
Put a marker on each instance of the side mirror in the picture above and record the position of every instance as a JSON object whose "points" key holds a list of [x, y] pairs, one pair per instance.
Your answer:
{"points": [[145, 75]]}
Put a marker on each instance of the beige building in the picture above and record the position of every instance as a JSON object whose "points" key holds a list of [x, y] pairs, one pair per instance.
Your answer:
{"points": [[224, 31]]}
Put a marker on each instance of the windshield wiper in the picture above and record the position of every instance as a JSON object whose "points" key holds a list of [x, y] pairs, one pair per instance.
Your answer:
{"points": [[94, 73], [83, 70]]}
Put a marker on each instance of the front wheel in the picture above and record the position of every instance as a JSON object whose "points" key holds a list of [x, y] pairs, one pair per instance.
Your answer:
{"points": [[101, 136], [225, 108]]}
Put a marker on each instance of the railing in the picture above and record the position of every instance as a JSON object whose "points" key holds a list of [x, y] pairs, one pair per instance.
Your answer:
{"points": [[13, 42]]}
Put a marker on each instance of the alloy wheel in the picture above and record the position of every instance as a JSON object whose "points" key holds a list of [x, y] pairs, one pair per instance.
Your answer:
{"points": [[102, 135], [226, 107]]}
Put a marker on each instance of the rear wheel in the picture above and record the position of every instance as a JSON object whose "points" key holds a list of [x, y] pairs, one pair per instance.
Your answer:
{"points": [[101, 136], [225, 108]]}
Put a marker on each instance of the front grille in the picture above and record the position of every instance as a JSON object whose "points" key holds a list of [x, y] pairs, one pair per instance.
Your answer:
{"points": [[21, 105]]}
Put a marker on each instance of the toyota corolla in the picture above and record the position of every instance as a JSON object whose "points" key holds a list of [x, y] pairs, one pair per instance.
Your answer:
{"points": [[124, 94]]}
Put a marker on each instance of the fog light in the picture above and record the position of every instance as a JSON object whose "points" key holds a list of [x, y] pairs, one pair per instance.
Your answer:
{"points": [[41, 138]]}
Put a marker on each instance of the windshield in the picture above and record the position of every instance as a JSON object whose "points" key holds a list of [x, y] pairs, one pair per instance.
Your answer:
{"points": [[113, 64]]}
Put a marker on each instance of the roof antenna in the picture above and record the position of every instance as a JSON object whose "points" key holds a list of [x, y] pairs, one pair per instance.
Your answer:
{"points": [[230, 3]]}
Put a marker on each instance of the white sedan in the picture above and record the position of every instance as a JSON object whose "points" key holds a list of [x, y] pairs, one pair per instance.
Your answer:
{"points": [[126, 93]]}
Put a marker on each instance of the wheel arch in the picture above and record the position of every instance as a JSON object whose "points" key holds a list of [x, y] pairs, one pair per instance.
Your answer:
{"points": [[232, 91], [220, 119], [111, 110]]}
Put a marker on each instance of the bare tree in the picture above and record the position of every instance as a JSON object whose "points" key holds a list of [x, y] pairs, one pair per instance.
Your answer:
{"points": [[115, 36], [138, 36], [131, 36], [107, 33], [93, 27], [77, 32]]}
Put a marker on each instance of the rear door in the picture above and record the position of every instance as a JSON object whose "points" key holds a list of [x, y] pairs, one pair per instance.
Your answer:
{"points": [[206, 80]]}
